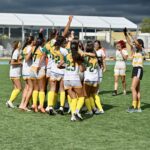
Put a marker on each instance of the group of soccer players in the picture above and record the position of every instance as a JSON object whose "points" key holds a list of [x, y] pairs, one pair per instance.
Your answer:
{"points": [[63, 68]]}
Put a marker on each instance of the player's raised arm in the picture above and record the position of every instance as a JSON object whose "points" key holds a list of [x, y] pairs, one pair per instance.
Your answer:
{"points": [[127, 37], [67, 26]]}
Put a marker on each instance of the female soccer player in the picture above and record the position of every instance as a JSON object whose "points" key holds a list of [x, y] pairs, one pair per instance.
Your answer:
{"points": [[56, 78], [15, 73], [72, 82], [120, 66], [137, 71], [91, 80], [27, 62], [100, 56], [38, 74]]}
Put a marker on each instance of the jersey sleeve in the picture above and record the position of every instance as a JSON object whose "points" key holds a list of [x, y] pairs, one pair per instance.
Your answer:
{"points": [[125, 52], [46, 49], [103, 54], [64, 51], [15, 55]]}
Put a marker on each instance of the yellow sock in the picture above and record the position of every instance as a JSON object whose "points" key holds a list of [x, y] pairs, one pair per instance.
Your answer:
{"points": [[69, 100], [51, 98], [98, 102], [88, 104], [35, 97], [138, 104], [14, 94], [73, 105], [92, 102], [55, 99], [62, 99], [80, 103], [41, 98], [134, 103]]}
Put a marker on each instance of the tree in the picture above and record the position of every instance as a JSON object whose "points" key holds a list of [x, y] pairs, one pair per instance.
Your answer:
{"points": [[145, 26]]}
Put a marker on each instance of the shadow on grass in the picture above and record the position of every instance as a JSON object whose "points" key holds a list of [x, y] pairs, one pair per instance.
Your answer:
{"points": [[111, 91], [129, 92], [107, 107], [145, 106], [106, 92]]}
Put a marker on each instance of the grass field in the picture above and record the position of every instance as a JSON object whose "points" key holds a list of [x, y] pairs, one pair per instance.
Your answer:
{"points": [[115, 130]]}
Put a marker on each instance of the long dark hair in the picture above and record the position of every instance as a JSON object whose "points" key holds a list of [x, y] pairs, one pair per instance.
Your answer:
{"points": [[28, 41], [60, 41], [39, 42], [74, 50], [90, 46], [53, 34], [15, 46]]}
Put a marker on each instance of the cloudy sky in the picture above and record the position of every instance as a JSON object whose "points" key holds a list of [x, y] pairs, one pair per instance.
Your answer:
{"points": [[134, 10]]}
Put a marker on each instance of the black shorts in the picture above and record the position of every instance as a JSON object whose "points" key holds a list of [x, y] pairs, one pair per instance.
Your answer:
{"points": [[137, 72]]}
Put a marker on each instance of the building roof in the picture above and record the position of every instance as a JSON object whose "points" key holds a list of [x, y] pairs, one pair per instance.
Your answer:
{"points": [[47, 20]]}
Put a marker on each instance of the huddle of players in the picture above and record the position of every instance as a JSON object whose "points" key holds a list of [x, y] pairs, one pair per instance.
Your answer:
{"points": [[71, 70]]}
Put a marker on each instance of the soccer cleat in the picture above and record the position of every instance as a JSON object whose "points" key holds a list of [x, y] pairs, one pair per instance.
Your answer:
{"points": [[78, 115], [61, 110], [73, 117], [89, 113], [114, 93], [10, 104], [47, 109], [52, 112], [98, 112], [131, 109], [69, 111], [94, 110], [139, 110]]}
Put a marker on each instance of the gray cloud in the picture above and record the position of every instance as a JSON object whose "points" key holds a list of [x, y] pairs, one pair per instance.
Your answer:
{"points": [[135, 10]]}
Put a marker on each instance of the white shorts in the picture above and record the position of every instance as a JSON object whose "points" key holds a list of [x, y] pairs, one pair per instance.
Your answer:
{"points": [[91, 83], [15, 72], [100, 75], [48, 72], [56, 77], [120, 68], [68, 84], [119, 71], [81, 74], [35, 75], [26, 72]]}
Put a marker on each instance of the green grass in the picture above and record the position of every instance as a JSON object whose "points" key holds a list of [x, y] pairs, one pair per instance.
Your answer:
{"points": [[115, 130]]}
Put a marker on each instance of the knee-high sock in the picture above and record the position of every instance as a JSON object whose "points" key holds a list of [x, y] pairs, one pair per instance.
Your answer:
{"points": [[14, 94], [98, 102], [51, 98], [62, 99], [134, 103], [55, 99], [69, 100], [73, 105], [35, 97], [138, 104], [41, 98], [80, 103], [92, 102], [88, 104]]}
